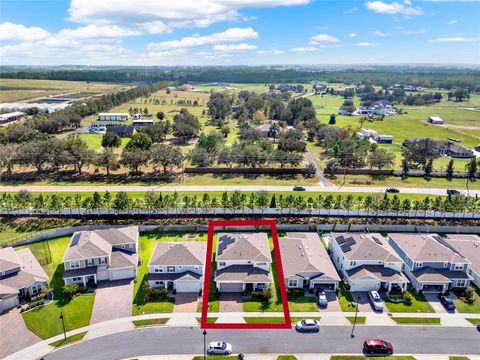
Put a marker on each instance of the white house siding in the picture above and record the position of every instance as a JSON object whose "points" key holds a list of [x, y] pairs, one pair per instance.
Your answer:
{"points": [[364, 284], [38, 286], [299, 282], [241, 262], [476, 278], [178, 269], [124, 273], [102, 274]]}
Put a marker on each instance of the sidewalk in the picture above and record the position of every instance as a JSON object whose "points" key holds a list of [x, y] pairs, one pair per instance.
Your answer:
{"points": [[301, 357]]}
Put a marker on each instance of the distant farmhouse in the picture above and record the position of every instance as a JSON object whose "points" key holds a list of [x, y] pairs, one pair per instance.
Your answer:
{"points": [[113, 116], [380, 107], [374, 137], [185, 87], [10, 117], [318, 83], [444, 148], [436, 120]]}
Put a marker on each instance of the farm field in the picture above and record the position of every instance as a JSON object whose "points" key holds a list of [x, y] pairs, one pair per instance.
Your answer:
{"points": [[26, 89]]}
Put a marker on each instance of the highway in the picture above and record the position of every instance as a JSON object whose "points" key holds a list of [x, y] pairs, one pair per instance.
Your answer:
{"points": [[330, 340], [203, 188]]}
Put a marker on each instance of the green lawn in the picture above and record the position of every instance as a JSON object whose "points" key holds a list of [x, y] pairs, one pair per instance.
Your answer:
{"points": [[419, 304], [69, 339], [286, 357], [345, 298], [45, 321], [360, 357], [360, 319], [416, 320], [210, 319], [474, 321], [147, 242], [297, 319], [265, 319], [301, 303], [150, 322], [458, 358], [473, 308]]}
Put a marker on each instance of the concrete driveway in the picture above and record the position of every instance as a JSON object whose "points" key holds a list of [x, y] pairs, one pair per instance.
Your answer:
{"points": [[113, 299], [185, 302], [435, 303], [231, 302], [14, 334], [333, 304], [363, 301]]}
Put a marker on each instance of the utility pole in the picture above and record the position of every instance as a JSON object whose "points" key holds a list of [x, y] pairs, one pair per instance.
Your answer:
{"points": [[355, 320], [63, 325], [204, 344]]}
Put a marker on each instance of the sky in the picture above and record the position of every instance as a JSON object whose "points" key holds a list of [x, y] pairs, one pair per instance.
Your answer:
{"points": [[239, 32]]}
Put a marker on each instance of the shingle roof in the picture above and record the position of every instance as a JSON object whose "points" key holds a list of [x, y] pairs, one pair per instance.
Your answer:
{"points": [[179, 253], [304, 252], [244, 273], [121, 259], [468, 246], [425, 248], [438, 275], [376, 271], [8, 259], [187, 275], [97, 243], [363, 246], [243, 246], [90, 270]]}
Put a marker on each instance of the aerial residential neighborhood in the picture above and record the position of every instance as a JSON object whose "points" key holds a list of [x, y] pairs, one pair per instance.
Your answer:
{"points": [[239, 180]]}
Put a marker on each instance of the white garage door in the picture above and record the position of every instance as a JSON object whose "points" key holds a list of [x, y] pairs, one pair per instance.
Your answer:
{"points": [[122, 274], [364, 285], [7, 304], [231, 287], [187, 286], [102, 274]]}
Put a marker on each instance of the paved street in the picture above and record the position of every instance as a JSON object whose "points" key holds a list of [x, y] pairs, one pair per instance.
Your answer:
{"points": [[203, 188], [178, 340]]}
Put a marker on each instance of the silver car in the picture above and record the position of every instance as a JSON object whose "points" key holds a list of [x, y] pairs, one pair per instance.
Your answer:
{"points": [[322, 299], [219, 348], [376, 301], [307, 325]]}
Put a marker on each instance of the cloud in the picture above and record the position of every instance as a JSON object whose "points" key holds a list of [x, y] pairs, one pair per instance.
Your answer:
{"points": [[380, 33], [304, 49], [451, 22], [352, 10], [229, 35], [19, 32], [352, 35], [456, 39], [413, 32], [273, 52], [392, 8], [323, 39], [233, 47], [365, 44], [93, 31]]}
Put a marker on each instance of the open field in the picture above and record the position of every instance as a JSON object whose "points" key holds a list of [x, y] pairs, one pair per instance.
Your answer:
{"points": [[26, 89]]}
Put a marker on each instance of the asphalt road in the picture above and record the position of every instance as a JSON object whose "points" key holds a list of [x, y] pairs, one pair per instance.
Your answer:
{"points": [[203, 188], [330, 340]]}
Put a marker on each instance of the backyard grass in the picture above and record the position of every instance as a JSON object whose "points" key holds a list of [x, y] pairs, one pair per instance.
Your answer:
{"points": [[345, 298], [301, 303], [150, 322], [416, 320], [68, 340], [360, 319], [463, 307], [474, 321], [419, 304]]}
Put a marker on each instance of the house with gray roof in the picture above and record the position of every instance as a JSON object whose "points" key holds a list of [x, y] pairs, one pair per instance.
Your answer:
{"points": [[468, 245], [21, 276], [366, 261], [306, 263], [243, 262], [431, 263], [178, 266], [110, 254]]}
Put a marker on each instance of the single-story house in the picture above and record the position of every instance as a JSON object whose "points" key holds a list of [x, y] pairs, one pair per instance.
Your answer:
{"points": [[436, 120]]}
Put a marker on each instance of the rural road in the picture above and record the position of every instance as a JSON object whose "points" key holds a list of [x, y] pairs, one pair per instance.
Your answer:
{"points": [[331, 340], [203, 188]]}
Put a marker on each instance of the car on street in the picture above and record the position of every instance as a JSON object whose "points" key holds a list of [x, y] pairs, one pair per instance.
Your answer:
{"points": [[453, 192], [377, 346], [298, 188], [447, 302], [322, 298], [375, 300], [478, 326], [307, 325], [219, 348], [392, 190]]}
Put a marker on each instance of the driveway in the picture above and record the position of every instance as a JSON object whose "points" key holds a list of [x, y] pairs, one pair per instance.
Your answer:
{"points": [[231, 302], [113, 299], [435, 303], [185, 302], [14, 334], [333, 304], [363, 302]]}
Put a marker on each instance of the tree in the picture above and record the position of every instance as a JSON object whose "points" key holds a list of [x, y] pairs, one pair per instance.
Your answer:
{"points": [[348, 107], [8, 156], [292, 141], [160, 115], [420, 151], [428, 167], [219, 106], [259, 117], [156, 132], [36, 153], [139, 141], [77, 152], [107, 159], [381, 158], [472, 168], [70, 290], [450, 169], [122, 201], [185, 126], [135, 158], [405, 168], [167, 156], [111, 140], [332, 120]]}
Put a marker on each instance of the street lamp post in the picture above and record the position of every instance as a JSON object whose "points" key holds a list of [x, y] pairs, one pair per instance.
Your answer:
{"points": [[63, 326], [204, 344], [355, 320]]}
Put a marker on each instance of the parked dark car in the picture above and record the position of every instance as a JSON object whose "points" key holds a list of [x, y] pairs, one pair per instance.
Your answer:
{"points": [[298, 188], [377, 346], [453, 192], [478, 327], [392, 190], [447, 302]]}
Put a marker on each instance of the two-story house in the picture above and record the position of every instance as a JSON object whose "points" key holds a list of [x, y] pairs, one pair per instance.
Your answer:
{"points": [[21, 276], [468, 245], [306, 264], [431, 264], [243, 262], [366, 261], [178, 266], [98, 255]]}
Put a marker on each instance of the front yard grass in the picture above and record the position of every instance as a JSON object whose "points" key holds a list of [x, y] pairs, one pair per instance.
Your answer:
{"points": [[458, 358], [210, 319], [473, 308], [419, 304], [150, 322], [286, 357], [345, 298], [474, 321], [416, 320], [265, 319], [68, 340], [360, 319], [360, 357], [300, 303]]}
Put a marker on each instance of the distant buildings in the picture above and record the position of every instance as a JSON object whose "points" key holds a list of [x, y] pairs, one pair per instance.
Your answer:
{"points": [[436, 120], [142, 122], [185, 87], [46, 107], [373, 136], [124, 131], [318, 83], [12, 116], [113, 116], [445, 148], [380, 107]]}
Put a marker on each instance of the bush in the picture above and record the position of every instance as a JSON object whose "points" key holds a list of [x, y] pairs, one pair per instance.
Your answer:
{"points": [[407, 298], [295, 292], [151, 294], [469, 295], [70, 290], [265, 295]]}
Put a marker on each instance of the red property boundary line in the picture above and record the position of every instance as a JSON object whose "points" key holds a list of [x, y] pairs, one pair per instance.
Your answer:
{"points": [[208, 273]]}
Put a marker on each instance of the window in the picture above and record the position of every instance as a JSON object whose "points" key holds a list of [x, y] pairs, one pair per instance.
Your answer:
{"points": [[103, 261], [461, 283], [222, 263], [75, 279], [458, 267], [180, 266], [196, 267], [130, 246], [159, 269], [158, 282], [3, 273], [74, 264], [170, 268], [418, 264], [445, 264], [89, 262], [123, 246], [353, 263], [292, 282]]}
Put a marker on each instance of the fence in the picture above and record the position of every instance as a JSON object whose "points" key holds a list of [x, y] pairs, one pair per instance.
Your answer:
{"points": [[247, 171]]}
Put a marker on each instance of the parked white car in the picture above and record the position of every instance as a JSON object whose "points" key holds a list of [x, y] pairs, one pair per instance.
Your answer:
{"points": [[307, 325], [219, 348], [376, 301]]}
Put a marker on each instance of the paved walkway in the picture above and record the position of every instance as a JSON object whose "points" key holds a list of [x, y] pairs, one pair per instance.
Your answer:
{"points": [[299, 357], [14, 334]]}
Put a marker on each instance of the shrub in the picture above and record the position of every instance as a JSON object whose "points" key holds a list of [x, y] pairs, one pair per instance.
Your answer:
{"points": [[151, 294], [407, 298], [469, 295], [295, 292], [265, 295], [70, 290]]}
